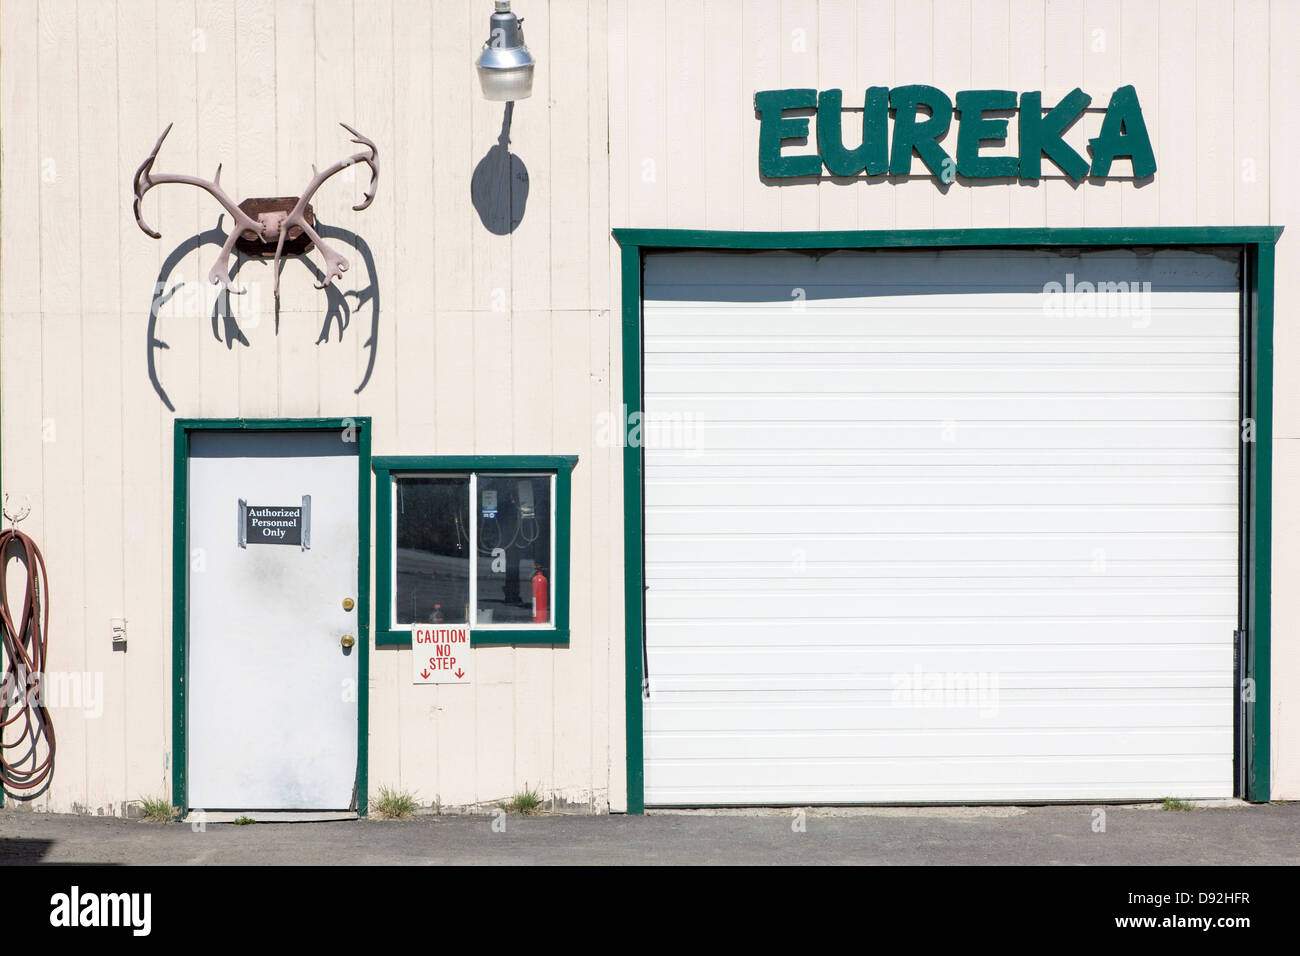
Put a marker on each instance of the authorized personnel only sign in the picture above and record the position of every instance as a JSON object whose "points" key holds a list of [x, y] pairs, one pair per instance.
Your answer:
{"points": [[272, 524], [275, 524], [440, 653]]}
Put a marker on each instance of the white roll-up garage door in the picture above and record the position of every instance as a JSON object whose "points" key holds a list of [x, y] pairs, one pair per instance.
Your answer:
{"points": [[940, 526]]}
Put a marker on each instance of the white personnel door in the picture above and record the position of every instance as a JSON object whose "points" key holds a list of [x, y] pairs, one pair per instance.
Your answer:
{"points": [[940, 526], [272, 691]]}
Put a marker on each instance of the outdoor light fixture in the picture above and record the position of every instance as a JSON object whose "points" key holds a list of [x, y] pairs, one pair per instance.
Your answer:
{"points": [[505, 67]]}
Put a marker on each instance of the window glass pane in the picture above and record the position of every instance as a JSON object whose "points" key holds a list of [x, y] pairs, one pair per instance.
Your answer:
{"points": [[432, 562], [514, 547]]}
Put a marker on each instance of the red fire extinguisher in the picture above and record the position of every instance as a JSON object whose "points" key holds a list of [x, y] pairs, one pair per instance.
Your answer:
{"points": [[541, 598]]}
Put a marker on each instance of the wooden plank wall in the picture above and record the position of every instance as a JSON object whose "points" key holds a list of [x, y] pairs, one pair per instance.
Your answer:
{"points": [[486, 343], [642, 116]]}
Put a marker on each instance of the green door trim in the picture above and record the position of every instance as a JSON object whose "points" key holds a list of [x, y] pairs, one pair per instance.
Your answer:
{"points": [[180, 581], [1257, 404]]}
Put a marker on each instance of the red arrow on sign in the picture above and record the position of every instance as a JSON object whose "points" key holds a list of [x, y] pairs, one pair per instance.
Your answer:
{"points": [[459, 673], [425, 673]]}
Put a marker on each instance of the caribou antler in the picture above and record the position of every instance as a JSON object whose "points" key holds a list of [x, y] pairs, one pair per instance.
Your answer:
{"points": [[272, 225], [145, 180], [335, 264]]}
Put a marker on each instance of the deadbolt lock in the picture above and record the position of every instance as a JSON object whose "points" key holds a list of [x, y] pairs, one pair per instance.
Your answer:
{"points": [[348, 604], [347, 640]]}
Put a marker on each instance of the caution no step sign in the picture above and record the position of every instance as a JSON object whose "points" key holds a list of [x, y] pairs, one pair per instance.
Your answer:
{"points": [[440, 653]]}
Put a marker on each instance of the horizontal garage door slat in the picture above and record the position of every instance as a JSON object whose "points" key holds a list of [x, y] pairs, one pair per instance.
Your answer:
{"points": [[957, 378], [914, 532], [933, 520], [939, 633], [932, 408], [847, 492]]}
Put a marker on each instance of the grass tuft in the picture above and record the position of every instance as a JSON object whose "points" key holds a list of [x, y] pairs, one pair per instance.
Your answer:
{"points": [[242, 821], [393, 804], [528, 802], [158, 810], [1173, 803]]}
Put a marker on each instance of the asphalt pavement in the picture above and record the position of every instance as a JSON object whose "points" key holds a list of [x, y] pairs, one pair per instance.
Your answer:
{"points": [[1144, 835]]}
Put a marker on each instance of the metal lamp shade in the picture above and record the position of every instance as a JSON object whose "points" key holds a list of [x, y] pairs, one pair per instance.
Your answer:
{"points": [[505, 67], [505, 82]]}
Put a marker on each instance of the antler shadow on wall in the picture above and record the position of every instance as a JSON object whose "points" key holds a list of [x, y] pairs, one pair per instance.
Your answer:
{"points": [[225, 324]]}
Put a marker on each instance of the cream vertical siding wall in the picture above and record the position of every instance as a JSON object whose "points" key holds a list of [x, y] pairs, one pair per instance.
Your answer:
{"points": [[1217, 80], [642, 116], [486, 343]]}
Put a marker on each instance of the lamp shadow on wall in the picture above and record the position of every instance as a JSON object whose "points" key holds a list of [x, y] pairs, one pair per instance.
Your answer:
{"points": [[499, 186], [225, 323]]}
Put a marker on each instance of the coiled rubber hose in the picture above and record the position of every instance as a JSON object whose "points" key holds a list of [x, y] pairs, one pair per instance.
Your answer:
{"points": [[24, 642]]}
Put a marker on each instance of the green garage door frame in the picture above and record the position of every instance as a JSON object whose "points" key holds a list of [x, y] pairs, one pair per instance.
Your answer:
{"points": [[1258, 244]]}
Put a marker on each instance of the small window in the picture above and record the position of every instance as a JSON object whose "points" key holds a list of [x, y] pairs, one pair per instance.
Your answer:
{"points": [[514, 547], [432, 557], [484, 546]]}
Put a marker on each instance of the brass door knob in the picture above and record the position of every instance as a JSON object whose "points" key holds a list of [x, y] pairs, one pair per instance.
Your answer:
{"points": [[347, 640], [348, 604]]}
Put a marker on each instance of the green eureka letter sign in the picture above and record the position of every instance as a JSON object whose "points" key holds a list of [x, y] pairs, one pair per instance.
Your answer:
{"points": [[922, 116]]}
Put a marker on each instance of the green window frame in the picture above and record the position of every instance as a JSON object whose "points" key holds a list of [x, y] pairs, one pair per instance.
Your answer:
{"points": [[387, 468]]}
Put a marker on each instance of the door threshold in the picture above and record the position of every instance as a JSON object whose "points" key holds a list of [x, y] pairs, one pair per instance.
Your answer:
{"points": [[270, 816]]}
